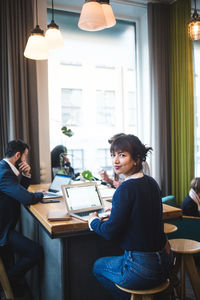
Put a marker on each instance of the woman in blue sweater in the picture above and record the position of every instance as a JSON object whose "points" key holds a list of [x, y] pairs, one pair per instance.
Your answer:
{"points": [[136, 223]]}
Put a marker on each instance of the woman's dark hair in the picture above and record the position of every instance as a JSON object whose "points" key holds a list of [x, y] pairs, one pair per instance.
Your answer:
{"points": [[116, 136], [55, 155], [131, 144], [195, 184], [16, 146]]}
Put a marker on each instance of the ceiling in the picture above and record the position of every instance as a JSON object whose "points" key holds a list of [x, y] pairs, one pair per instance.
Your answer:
{"points": [[122, 8]]}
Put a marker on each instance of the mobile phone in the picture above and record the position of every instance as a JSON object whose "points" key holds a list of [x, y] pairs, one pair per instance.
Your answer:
{"points": [[49, 200]]}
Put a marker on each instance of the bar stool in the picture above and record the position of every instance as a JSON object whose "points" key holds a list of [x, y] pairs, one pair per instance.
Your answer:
{"points": [[169, 228], [183, 249], [145, 294], [5, 282]]}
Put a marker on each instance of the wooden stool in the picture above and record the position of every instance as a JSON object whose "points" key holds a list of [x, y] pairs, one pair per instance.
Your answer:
{"points": [[183, 249], [145, 294], [5, 282], [169, 228]]}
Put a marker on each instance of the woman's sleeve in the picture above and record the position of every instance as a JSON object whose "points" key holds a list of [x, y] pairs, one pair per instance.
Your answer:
{"points": [[121, 208]]}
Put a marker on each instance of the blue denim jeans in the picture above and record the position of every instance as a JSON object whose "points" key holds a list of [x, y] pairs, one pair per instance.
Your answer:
{"points": [[134, 270]]}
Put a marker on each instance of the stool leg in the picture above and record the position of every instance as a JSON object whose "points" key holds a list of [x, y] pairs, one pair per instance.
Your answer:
{"points": [[147, 297], [174, 281], [193, 274], [5, 282], [136, 297], [182, 278]]}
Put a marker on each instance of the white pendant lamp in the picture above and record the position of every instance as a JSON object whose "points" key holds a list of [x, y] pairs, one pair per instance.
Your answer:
{"points": [[108, 13], [53, 35], [92, 17], [36, 47], [194, 26]]}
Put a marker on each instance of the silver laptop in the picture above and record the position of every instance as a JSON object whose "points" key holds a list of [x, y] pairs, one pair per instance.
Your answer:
{"points": [[55, 187], [82, 199]]}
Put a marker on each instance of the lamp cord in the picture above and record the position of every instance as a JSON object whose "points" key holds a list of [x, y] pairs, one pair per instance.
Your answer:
{"points": [[52, 11], [36, 13]]}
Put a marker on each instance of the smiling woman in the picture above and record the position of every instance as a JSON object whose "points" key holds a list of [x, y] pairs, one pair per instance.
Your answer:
{"points": [[136, 222]]}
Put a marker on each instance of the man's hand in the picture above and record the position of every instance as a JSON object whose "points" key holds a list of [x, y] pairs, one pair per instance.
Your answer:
{"points": [[24, 168], [41, 191]]}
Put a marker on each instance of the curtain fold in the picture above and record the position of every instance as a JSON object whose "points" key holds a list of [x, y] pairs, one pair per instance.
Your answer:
{"points": [[4, 100], [158, 26], [18, 96], [181, 91]]}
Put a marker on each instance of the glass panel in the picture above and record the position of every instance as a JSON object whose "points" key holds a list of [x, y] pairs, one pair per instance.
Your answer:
{"points": [[197, 106], [92, 90]]}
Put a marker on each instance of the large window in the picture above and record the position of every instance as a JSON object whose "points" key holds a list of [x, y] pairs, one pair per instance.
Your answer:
{"points": [[197, 106], [92, 90]]}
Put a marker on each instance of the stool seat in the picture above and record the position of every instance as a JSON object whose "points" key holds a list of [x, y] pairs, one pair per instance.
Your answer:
{"points": [[149, 292], [184, 250], [169, 228], [185, 246]]}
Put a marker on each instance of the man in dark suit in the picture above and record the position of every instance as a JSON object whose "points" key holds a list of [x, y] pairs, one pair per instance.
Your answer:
{"points": [[14, 180]]}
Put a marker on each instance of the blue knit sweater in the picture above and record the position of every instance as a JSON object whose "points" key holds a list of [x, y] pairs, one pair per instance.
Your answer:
{"points": [[136, 216]]}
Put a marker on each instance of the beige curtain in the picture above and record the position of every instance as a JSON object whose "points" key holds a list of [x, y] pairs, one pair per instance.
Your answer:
{"points": [[158, 25], [18, 95]]}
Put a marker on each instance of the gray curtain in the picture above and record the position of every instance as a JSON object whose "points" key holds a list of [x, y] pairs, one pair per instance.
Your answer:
{"points": [[18, 85], [158, 25]]}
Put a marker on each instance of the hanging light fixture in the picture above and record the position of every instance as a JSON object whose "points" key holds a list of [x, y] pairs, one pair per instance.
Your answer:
{"points": [[194, 26], [53, 35], [36, 47], [108, 13], [92, 17]]}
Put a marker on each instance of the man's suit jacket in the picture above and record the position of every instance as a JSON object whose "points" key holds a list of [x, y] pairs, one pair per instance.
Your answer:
{"points": [[13, 191]]}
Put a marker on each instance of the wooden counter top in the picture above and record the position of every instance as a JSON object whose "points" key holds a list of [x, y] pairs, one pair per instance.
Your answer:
{"points": [[58, 228]]}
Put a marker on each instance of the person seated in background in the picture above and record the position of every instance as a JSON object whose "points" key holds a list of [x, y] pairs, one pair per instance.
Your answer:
{"points": [[60, 161], [191, 203], [118, 179], [15, 177]]}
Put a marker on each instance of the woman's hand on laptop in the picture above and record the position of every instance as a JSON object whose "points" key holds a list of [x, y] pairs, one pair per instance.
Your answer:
{"points": [[92, 216]]}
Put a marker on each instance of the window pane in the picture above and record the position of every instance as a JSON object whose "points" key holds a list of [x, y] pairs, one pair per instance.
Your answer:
{"points": [[197, 106], [71, 106], [105, 107], [92, 89]]}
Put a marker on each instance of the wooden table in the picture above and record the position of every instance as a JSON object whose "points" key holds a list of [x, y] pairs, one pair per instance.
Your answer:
{"points": [[58, 228], [70, 250]]}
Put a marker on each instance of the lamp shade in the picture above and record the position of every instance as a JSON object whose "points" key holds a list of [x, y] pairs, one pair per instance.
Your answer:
{"points": [[108, 13], [53, 36], [92, 17], [194, 26], [194, 30], [36, 47]]}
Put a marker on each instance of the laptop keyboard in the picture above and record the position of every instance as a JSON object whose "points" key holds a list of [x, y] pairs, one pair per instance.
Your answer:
{"points": [[86, 213]]}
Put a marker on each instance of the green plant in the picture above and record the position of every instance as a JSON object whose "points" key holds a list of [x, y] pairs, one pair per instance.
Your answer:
{"points": [[87, 175], [67, 131]]}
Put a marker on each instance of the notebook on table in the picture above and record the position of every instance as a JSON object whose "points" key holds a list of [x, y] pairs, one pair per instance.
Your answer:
{"points": [[54, 190], [82, 199]]}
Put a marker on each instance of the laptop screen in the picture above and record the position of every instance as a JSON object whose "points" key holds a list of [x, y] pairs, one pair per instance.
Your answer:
{"points": [[82, 197], [58, 181]]}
